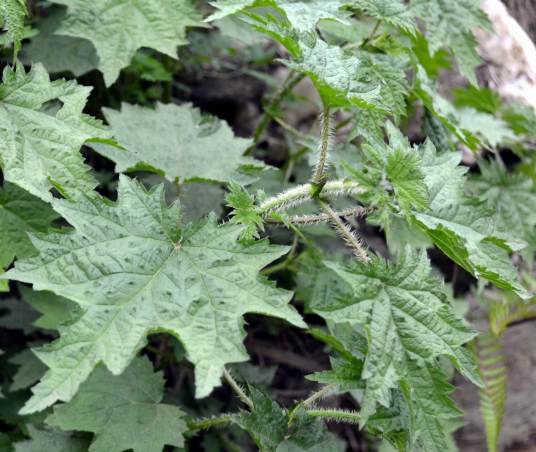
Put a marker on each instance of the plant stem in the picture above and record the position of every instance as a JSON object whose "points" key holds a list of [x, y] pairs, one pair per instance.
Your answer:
{"points": [[204, 424], [289, 128], [333, 414], [371, 34], [320, 394], [346, 233], [325, 145], [303, 193], [309, 220], [238, 389], [285, 264], [291, 81]]}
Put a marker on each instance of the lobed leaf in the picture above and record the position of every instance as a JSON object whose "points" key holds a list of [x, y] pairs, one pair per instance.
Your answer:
{"points": [[134, 270]]}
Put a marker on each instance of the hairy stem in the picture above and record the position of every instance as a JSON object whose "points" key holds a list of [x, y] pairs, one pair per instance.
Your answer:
{"points": [[319, 173], [238, 389], [346, 233], [371, 34], [216, 421], [303, 193], [335, 415], [315, 396], [309, 220]]}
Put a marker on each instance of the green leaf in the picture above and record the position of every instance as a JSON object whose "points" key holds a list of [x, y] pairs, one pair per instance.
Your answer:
{"points": [[406, 317], [177, 142], [77, 55], [310, 435], [444, 176], [54, 310], [393, 171], [51, 440], [392, 12], [19, 315], [303, 16], [30, 370], [389, 73], [118, 28], [512, 197], [244, 211], [342, 80], [134, 270], [267, 423], [492, 131], [450, 24], [467, 233], [346, 375], [125, 412], [20, 214], [12, 15], [39, 148], [428, 397]]}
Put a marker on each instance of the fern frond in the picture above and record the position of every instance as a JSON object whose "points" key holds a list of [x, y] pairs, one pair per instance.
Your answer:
{"points": [[491, 361], [504, 313]]}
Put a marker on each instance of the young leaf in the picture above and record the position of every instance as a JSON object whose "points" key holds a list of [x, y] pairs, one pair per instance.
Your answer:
{"points": [[20, 214], [177, 142], [39, 149], [267, 423], [244, 211], [393, 169], [406, 316], [125, 412], [134, 270], [117, 28]]}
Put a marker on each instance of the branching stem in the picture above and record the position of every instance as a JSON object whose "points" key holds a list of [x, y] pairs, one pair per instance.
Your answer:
{"points": [[315, 396], [303, 193], [238, 389], [308, 220]]}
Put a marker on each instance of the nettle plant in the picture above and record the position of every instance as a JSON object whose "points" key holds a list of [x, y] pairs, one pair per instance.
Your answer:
{"points": [[94, 277]]}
